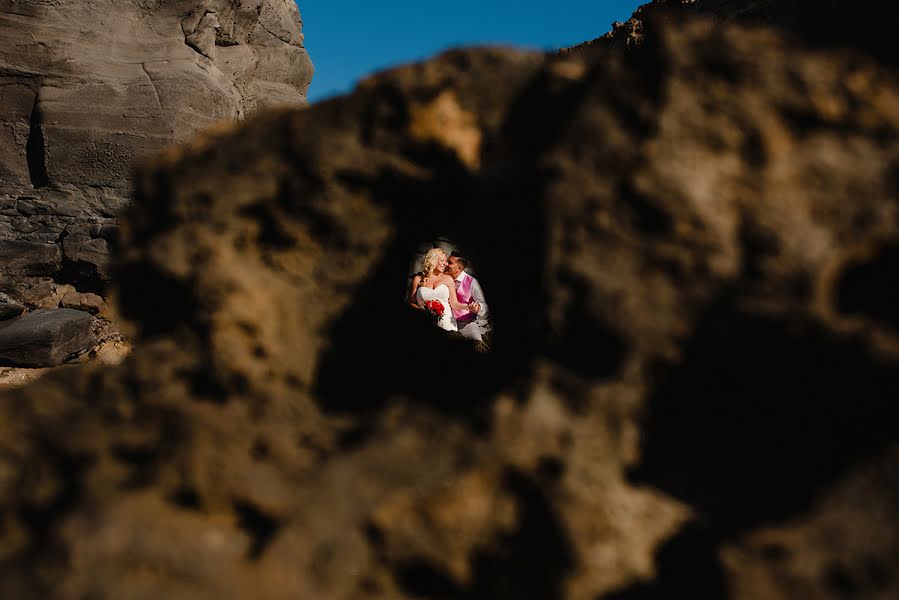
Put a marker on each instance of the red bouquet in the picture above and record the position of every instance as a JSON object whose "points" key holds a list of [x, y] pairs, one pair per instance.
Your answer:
{"points": [[435, 307]]}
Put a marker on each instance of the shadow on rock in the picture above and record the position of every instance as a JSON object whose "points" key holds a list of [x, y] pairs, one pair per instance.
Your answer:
{"points": [[687, 566], [530, 562], [763, 413], [379, 347]]}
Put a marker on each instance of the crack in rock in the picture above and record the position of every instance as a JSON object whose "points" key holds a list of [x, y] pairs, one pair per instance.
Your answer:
{"points": [[155, 89]]}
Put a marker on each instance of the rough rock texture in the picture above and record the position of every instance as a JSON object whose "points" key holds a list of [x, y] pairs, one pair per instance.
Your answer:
{"points": [[9, 310], [866, 25], [688, 393], [45, 338], [91, 303], [89, 86]]}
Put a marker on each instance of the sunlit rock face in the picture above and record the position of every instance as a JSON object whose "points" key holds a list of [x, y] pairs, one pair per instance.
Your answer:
{"points": [[90, 86]]}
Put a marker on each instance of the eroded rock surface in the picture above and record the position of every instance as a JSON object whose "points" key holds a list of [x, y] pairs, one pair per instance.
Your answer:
{"points": [[689, 388], [87, 87]]}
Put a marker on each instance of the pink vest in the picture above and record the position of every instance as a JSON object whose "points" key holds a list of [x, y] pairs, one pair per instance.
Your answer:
{"points": [[463, 294]]}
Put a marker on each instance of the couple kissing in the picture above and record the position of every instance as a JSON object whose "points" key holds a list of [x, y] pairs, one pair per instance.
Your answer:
{"points": [[444, 288]]}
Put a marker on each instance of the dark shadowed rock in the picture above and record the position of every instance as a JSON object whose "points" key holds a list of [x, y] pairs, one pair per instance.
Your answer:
{"points": [[21, 257], [9, 310], [689, 391], [44, 338], [865, 25]]}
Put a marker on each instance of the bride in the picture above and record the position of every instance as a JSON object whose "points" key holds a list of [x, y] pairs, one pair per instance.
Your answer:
{"points": [[435, 284]]}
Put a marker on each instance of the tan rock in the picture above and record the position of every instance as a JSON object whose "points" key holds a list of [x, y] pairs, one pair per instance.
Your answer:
{"points": [[87, 302], [54, 298]]}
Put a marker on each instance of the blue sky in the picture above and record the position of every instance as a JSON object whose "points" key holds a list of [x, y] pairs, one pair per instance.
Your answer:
{"points": [[348, 39]]}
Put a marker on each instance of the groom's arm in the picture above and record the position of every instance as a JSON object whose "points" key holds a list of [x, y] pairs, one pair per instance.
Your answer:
{"points": [[477, 294]]}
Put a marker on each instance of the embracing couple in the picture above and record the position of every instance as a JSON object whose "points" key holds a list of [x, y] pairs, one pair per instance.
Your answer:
{"points": [[445, 281]]}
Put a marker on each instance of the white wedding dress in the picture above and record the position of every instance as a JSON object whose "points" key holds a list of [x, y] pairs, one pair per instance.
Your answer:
{"points": [[441, 293]]}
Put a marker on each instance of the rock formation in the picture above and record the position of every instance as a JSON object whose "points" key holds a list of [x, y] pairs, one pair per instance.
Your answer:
{"points": [[89, 86], [688, 394], [865, 25]]}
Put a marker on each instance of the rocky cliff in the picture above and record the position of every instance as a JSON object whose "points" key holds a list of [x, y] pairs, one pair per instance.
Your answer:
{"points": [[87, 87], [865, 25], [692, 376]]}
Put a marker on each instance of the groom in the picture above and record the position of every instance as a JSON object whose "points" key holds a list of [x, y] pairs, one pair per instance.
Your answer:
{"points": [[471, 324]]}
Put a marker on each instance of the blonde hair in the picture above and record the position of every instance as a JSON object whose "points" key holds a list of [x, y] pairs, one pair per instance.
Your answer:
{"points": [[430, 261]]}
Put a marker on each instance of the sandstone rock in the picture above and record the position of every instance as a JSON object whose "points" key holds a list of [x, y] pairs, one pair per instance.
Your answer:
{"points": [[87, 88], [200, 35], [54, 298], [88, 302], [85, 251], [688, 393], [22, 257], [45, 338], [30, 291], [129, 86]]}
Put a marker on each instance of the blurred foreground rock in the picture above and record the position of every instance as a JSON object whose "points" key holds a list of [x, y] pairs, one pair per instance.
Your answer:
{"points": [[687, 395]]}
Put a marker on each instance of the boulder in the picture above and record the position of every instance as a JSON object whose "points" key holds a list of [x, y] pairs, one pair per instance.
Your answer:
{"points": [[45, 338], [87, 302]]}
